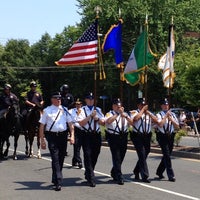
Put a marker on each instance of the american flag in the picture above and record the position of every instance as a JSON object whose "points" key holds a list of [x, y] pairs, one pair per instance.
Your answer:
{"points": [[84, 51]]}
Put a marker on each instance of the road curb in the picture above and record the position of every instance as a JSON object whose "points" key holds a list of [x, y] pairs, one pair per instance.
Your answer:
{"points": [[177, 152]]}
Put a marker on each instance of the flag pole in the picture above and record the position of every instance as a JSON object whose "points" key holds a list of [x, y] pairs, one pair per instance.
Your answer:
{"points": [[121, 67], [97, 9], [145, 55], [170, 60]]}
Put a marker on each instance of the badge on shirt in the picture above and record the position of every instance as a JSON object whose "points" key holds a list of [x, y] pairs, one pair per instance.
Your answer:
{"points": [[108, 115]]}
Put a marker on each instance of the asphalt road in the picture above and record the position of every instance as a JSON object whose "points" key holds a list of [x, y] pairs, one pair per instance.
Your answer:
{"points": [[29, 179]]}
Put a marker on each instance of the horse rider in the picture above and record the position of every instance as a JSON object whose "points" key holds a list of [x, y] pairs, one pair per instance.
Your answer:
{"points": [[116, 122], [67, 98], [76, 160], [33, 97], [7, 99]]}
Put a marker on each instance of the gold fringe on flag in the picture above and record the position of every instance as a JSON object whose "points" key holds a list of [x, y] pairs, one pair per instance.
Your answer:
{"points": [[102, 75]]}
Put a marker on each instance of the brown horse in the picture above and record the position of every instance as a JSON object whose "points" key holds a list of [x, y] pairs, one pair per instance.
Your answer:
{"points": [[32, 130], [10, 125]]}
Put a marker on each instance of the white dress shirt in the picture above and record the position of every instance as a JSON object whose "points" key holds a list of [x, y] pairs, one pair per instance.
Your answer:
{"points": [[49, 115]]}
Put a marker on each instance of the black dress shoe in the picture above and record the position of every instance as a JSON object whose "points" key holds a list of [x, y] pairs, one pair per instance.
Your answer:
{"points": [[114, 177], [172, 179], [137, 177], [120, 181], [58, 188], [92, 183], [80, 165], [74, 164], [145, 180], [160, 176]]}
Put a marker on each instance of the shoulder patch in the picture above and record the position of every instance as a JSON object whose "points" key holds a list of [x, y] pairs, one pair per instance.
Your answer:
{"points": [[108, 115], [133, 112]]}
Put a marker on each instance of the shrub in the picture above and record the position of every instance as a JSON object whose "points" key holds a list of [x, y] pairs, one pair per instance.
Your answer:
{"points": [[178, 136]]}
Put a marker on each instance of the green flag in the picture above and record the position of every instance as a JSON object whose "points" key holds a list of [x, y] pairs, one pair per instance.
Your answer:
{"points": [[140, 57]]}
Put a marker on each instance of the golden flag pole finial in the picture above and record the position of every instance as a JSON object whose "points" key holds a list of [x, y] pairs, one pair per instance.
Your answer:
{"points": [[97, 9], [120, 13], [146, 19]]}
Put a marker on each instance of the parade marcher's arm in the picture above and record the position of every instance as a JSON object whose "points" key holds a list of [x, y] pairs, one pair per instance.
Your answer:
{"points": [[125, 115], [163, 121], [41, 134], [139, 115], [71, 128], [174, 122], [87, 119], [98, 120], [111, 119], [153, 117]]}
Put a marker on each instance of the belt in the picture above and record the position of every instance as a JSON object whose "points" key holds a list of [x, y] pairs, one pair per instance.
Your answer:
{"points": [[140, 134], [167, 133], [117, 133], [56, 133], [91, 132]]}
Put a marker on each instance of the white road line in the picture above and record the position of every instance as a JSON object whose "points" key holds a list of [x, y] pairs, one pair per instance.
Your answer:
{"points": [[127, 180]]}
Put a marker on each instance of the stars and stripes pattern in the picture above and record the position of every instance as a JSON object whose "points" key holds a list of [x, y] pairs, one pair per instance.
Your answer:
{"points": [[84, 51]]}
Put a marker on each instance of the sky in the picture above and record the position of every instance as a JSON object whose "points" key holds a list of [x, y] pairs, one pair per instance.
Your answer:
{"points": [[30, 19]]}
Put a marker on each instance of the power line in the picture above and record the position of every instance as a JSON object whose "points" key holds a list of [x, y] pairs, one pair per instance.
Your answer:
{"points": [[58, 69]]}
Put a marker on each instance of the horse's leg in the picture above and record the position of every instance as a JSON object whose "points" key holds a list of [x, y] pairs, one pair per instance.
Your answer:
{"points": [[16, 137], [38, 146], [26, 141], [1, 148], [31, 138], [5, 154]]}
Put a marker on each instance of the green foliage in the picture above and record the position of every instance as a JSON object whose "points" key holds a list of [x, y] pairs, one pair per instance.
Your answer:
{"points": [[179, 134], [21, 62]]}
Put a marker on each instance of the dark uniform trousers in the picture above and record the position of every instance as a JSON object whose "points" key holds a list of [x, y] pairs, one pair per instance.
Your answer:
{"points": [[57, 143], [91, 144], [166, 143], [142, 143], [77, 146], [118, 147]]}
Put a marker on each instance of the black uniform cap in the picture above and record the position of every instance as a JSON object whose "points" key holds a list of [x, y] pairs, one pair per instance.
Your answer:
{"points": [[56, 95], [164, 102], [141, 101], [89, 95], [117, 102]]}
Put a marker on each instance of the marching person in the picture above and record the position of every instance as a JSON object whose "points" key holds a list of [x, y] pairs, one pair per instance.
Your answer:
{"points": [[53, 123], [167, 123], [141, 137], [117, 135], [90, 118], [76, 160]]}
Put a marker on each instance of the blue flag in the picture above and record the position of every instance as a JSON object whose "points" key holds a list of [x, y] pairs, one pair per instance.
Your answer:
{"points": [[113, 40]]}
